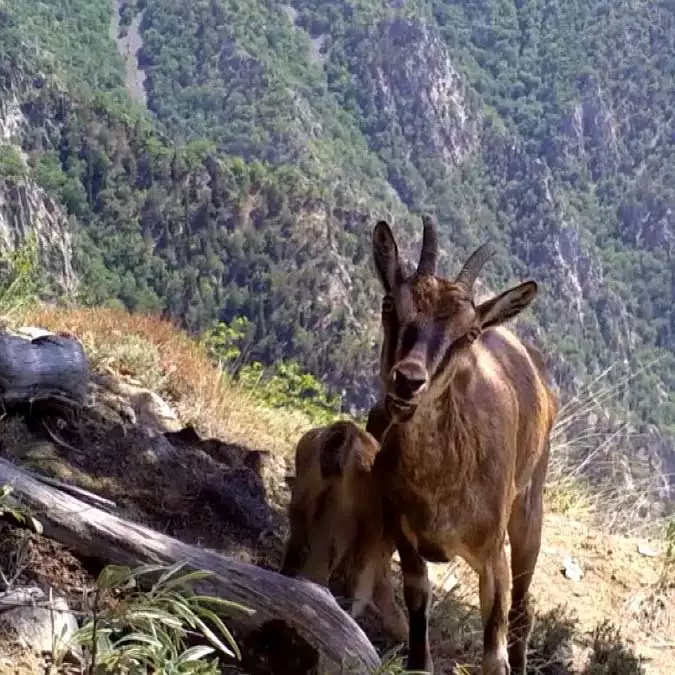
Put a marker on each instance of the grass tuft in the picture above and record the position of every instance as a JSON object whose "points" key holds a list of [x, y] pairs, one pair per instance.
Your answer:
{"points": [[592, 478]]}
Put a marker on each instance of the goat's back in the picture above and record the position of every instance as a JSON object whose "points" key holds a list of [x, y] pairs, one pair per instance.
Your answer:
{"points": [[332, 465], [334, 507]]}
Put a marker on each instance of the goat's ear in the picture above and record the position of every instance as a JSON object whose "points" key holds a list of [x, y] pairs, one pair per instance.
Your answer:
{"points": [[385, 255], [505, 306]]}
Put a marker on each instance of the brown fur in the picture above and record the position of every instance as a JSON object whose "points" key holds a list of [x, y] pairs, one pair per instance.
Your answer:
{"points": [[336, 517], [465, 456]]}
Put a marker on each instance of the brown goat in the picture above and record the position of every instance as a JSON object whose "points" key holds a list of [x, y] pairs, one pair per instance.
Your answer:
{"points": [[465, 456], [336, 517]]}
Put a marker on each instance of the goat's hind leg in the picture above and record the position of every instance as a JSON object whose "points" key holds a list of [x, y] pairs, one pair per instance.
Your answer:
{"points": [[525, 526]]}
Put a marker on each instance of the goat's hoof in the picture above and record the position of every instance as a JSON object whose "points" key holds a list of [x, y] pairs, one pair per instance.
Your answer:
{"points": [[423, 665], [496, 664]]}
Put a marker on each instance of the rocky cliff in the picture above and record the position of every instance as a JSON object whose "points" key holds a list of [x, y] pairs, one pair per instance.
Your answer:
{"points": [[26, 210]]}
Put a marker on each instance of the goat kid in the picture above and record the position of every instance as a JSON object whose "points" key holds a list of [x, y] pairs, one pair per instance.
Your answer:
{"points": [[335, 519]]}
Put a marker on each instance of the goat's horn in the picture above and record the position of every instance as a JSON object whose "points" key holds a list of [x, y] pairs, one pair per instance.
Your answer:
{"points": [[472, 267], [429, 254]]}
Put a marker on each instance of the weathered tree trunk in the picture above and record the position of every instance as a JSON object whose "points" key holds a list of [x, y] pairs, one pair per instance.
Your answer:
{"points": [[46, 368], [340, 644]]}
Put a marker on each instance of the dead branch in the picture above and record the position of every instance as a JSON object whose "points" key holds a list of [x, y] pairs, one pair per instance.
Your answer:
{"points": [[340, 644]]}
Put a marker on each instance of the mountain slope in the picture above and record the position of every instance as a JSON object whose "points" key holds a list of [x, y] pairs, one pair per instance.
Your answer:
{"points": [[547, 127]]}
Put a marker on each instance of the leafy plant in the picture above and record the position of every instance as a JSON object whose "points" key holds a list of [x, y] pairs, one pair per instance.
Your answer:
{"points": [[392, 664], [150, 629], [282, 385], [8, 506], [227, 342], [12, 165]]}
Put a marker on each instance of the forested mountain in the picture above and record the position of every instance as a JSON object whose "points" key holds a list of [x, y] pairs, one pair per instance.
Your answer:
{"points": [[237, 164]]}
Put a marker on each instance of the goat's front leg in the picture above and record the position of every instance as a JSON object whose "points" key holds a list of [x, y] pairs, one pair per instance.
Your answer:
{"points": [[417, 594], [494, 604]]}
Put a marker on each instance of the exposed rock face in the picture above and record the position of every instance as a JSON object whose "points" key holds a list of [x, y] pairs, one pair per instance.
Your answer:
{"points": [[139, 405], [25, 209], [591, 128], [417, 60], [419, 92], [129, 43], [10, 117]]}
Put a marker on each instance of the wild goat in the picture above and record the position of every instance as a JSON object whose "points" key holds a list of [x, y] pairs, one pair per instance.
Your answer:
{"points": [[336, 517], [465, 456]]}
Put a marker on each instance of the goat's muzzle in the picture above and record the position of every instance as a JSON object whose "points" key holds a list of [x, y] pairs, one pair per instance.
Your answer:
{"points": [[408, 381]]}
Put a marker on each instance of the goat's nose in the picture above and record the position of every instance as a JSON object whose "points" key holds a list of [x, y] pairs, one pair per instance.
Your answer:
{"points": [[408, 379]]}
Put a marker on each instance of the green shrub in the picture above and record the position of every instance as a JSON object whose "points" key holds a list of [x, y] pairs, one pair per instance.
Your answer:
{"points": [[283, 385], [21, 278], [149, 630], [11, 163]]}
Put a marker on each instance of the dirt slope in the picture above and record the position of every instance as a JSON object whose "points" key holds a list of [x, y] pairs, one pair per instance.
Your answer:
{"points": [[619, 584]]}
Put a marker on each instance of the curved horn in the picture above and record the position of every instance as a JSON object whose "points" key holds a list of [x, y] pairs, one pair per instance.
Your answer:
{"points": [[472, 267], [429, 253]]}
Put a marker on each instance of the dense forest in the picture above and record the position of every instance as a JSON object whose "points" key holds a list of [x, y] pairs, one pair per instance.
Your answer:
{"points": [[275, 134]]}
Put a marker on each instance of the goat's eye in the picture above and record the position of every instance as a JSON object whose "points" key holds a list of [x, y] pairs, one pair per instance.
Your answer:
{"points": [[387, 304]]}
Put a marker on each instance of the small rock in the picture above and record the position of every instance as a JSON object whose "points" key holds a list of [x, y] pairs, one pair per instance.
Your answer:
{"points": [[572, 570], [150, 408], [39, 624], [648, 551], [158, 450]]}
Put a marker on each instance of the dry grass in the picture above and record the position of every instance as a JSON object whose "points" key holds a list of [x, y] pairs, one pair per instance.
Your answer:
{"points": [[592, 476], [164, 358]]}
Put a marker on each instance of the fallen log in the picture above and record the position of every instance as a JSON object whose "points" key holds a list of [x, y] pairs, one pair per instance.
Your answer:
{"points": [[80, 493], [340, 644]]}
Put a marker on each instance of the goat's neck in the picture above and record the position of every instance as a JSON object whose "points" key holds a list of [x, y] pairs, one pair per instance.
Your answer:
{"points": [[440, 425]]}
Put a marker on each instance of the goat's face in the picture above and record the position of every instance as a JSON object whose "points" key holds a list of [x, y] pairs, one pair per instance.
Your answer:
{"points": [[427, 318]]}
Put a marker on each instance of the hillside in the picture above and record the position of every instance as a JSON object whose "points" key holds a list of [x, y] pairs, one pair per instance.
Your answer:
{"points": [[221, 484], [245, 175]]}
